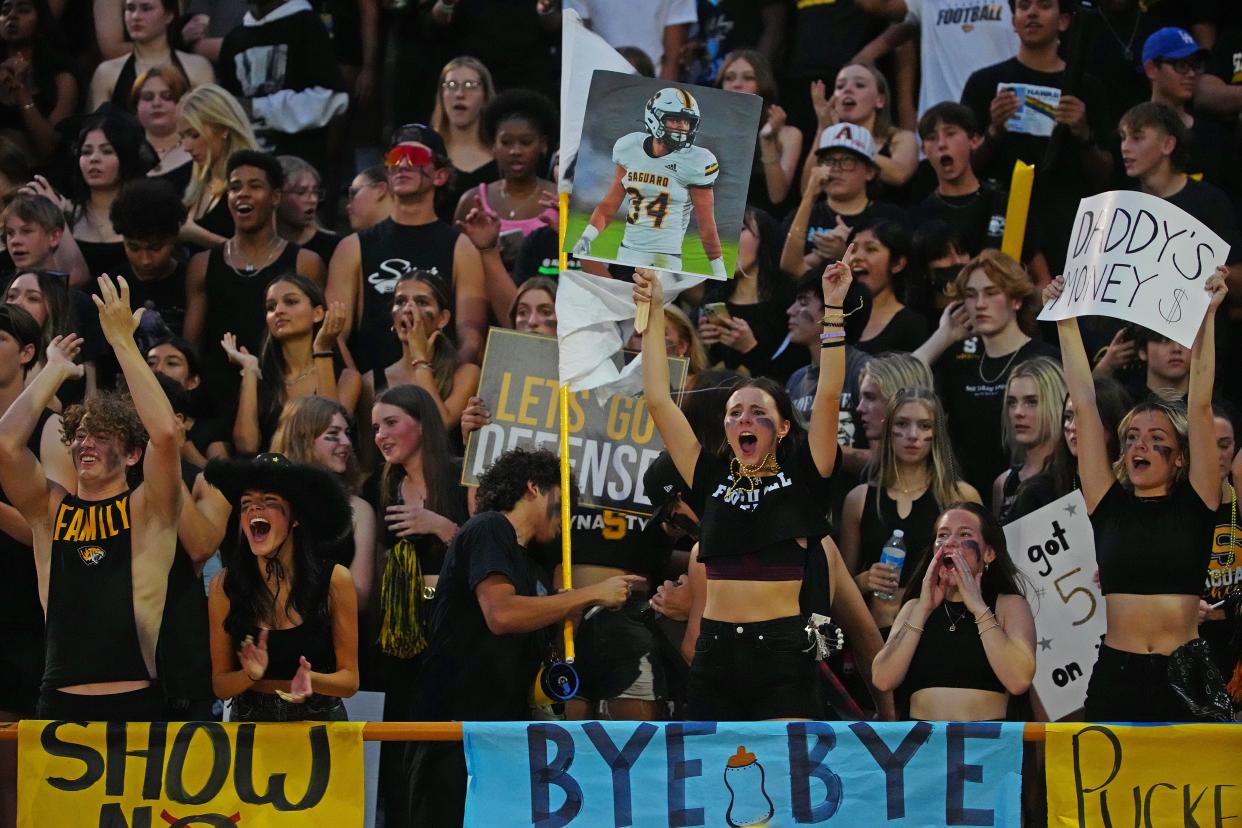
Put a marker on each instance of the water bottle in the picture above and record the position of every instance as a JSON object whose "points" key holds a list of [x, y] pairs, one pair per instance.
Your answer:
{"points": [[894, 553]]}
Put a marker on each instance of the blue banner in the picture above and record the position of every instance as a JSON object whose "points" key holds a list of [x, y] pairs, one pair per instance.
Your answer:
{"points": [[681, 774]]}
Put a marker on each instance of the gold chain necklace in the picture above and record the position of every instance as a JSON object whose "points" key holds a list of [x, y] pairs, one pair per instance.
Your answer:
{"points": [[1004, 370], [953, 621], [749, 475]]}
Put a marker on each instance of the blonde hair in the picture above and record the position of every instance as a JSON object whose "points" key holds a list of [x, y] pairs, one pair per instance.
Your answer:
{"points": [[176, 81], [893, 372], [943, 479], [1007, 274], [302, 420], [1049, 382], [696, 354], [205, 108], [1181, 428], [439, 118], [884, 126]]}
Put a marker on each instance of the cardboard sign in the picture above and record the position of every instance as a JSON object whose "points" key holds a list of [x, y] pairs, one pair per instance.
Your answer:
{"points": [[189, 774], [610, 446], [1119, 775], [605, 774], [1037, 108], [1136, 257], [1055, 549], [662, 197]]}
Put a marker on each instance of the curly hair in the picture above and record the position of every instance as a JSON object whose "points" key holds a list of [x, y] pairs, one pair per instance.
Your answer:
{"points": [[148, 209], [530, 106], [110, 413], [504, 484]]}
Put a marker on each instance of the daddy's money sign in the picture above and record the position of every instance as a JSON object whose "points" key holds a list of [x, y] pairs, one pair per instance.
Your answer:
{"points": [[1137, 257]]}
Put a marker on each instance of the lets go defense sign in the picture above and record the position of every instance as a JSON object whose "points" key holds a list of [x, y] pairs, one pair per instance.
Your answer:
{"points": [[610, 445], [189, 775]]}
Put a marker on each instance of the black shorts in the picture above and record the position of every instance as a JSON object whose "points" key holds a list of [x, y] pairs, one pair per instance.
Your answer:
{"points": [[145, 705], [1132, 687], [751, 672], [617, 655]]}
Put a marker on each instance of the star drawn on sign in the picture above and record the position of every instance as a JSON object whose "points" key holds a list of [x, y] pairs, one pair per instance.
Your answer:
{"points": [[1045, 643], [1072, 508]]}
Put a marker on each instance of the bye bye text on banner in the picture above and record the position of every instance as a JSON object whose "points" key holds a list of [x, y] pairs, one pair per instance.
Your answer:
{"points": [[1171, 775], [189, 775], [610, 446], [1137, 257], [728, 775]]}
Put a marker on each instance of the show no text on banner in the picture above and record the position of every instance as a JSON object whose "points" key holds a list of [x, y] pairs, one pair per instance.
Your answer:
{"points": [[1137, 257], [611, 445], [1175, 775], [615, 774], [189, 775]]}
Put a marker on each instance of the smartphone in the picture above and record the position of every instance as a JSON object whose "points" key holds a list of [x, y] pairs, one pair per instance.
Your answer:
{"points": [[717, 313]]}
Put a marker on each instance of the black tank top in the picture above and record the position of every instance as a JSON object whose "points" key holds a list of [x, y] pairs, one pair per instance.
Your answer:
{"points": [[312, 638], [129, 74], [104, 257], [235, 304], [387, 250], [1009, 494], [875, 530], [950, 657], [91, 632]]}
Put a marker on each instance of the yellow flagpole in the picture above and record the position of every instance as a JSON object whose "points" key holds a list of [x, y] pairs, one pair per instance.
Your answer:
{"points": [[567, 579], [1017, 210]]}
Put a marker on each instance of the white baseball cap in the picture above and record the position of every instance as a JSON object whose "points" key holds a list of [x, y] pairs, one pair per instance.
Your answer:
{"points": [[857, 139]]}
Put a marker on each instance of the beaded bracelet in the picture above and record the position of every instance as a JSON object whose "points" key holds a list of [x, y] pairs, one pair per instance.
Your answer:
{"points": [[840, 343], [826, 335]]}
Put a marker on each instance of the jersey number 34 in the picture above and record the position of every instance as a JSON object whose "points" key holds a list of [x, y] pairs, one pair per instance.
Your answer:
{"points": [[656, 207]]}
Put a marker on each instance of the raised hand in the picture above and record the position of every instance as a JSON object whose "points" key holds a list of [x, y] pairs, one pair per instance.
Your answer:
{"points": [[116, 319], [969, 583], [239, 356], [38, 185], [1217, 286], [955, 321], [62, 351], [1120, 353], [482, 227], [300, 687], [931, 593], [1053, 290], [253, 656], [825, 107], [474, 416], [419, 342], [775, 123], [838, 277], [647, 287], [331, 329]]}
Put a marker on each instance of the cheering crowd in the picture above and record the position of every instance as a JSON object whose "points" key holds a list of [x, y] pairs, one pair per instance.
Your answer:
{"points": [[252, 253]]}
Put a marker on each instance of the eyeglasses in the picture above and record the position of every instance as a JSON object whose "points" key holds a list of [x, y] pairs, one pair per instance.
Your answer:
{"points": [[453, 86], [408, 155], [844, 163], [1184, 66]]}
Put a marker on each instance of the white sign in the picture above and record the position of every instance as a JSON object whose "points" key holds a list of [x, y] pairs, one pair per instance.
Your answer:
{"points": [[1137, 257], [1055, 549], [1037, 108]]}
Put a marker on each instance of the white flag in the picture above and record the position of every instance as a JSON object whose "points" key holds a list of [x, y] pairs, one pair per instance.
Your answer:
{"points": [[595, 318], [582, 52]]}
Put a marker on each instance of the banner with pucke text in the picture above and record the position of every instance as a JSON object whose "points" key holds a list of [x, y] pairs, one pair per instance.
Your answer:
{"points": [[610, 444], [649, 774], [1137, 257], [189, 775], [1167, 775], [1054, 547]]}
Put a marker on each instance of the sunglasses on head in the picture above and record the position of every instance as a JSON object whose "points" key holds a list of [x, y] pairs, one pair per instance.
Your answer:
{"points": [[409, 155]]}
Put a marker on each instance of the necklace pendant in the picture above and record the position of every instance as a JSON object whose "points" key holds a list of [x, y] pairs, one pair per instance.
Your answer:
{"points": [[953, 627]]}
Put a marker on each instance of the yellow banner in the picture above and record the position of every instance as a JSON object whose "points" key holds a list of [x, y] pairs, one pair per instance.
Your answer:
{"points": [[189, 775], [1184, 775]]}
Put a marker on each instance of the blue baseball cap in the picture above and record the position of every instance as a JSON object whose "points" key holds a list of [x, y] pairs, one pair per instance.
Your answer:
{"points": [[1171, 43]]}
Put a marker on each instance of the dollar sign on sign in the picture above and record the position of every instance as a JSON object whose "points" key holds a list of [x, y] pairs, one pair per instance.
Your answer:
{"points": [[1173, 314]]}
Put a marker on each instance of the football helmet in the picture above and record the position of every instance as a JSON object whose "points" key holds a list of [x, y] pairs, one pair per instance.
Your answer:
{"points": [[672, 102]]}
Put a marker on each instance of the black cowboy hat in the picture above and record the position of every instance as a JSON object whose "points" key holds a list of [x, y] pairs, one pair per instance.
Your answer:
{"points": [[315, 495]]}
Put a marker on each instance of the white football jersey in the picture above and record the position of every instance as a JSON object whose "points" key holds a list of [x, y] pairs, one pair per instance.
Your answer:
{"points": [[658, 192]]}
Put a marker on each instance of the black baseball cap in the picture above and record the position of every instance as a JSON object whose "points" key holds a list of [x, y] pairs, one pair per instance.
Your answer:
{"points": [[420, 134]]}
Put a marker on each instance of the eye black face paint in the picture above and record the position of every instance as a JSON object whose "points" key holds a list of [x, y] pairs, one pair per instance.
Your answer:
{"points": [[1165, 451], [766, 422], [971, 545]]}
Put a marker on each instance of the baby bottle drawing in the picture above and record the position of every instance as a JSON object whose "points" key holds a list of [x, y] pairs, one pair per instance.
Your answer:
{"points": [[749, 803]]}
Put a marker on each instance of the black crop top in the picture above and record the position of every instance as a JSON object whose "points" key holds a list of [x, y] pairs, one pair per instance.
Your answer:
{"points": [[950, 658], [1152, 545], [789, 504]]}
